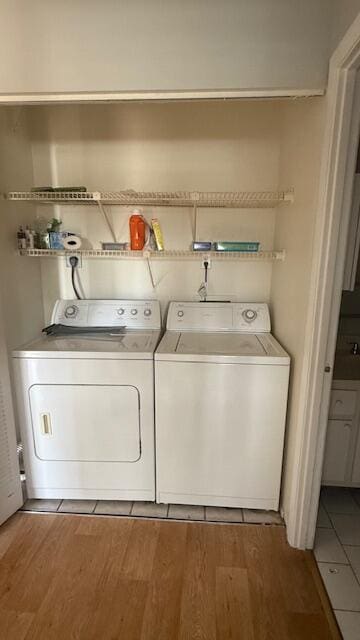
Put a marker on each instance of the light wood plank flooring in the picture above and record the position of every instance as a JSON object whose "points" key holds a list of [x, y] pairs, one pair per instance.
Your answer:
{"points": [[65, 577]]}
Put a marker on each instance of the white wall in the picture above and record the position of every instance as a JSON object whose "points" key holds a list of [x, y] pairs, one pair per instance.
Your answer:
{"points": [[20, 282], [300, 156], [344, 13], [20, 278], [203, 146], [117, 45]]}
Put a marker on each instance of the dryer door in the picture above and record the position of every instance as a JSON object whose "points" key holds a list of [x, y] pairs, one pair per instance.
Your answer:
{"points": [[86, 423]]}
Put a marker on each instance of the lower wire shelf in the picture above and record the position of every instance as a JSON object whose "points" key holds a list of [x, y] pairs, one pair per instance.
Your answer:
{"points": [[174, 254]]}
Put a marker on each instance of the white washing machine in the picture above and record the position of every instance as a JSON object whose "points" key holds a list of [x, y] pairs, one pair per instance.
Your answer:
{"points": [[86, 402], [221, 382]]}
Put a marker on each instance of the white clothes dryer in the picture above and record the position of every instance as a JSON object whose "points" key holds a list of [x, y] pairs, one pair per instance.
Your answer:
{"points": [[86, 402], [221, 382]]}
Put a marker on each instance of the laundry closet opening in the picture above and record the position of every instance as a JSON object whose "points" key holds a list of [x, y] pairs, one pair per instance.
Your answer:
{"points": [[233, 146]]}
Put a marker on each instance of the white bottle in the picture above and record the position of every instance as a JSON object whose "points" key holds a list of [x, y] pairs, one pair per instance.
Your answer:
{"points": [[21, 238], [29, 237]]}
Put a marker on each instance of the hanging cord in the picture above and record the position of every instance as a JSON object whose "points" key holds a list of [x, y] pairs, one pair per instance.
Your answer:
{"points": [[202, 290], [206, 266], [74, 261]]}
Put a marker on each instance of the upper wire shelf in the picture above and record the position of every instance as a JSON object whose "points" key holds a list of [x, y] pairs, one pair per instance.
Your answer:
{"points": [[227, 199], [174, 254]]}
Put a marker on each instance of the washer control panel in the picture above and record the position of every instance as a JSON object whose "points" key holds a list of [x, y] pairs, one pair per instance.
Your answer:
{"points": [[132, 314], [243, 317]]}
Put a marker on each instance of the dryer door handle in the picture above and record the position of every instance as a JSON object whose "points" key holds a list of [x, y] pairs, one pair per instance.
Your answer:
{"points": [[46, 428]]}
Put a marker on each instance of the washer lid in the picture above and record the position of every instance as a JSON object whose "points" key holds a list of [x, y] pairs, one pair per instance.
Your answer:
{"points": [[132, 345], [220, 344], [226, 347]]}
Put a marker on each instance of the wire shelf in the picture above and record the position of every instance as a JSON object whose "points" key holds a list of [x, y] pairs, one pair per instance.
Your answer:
{"points": [[54, 197], [220, 199], [176, 254]]}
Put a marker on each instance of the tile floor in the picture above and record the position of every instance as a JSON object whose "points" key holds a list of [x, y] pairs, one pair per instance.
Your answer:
{"points": [[152, 510], [337, 552]]}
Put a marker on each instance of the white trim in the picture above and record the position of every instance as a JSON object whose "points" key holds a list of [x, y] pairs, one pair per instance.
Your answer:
{"points": [[338, 163], [353, 240], [128, 96], [11, 497]]}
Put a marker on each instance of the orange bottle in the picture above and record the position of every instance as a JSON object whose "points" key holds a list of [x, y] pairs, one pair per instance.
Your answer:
{"points": [[137, 232]]}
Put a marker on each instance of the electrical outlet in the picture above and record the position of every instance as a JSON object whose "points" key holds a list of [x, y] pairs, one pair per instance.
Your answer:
{"points": [[79, 257], [206, 259]]}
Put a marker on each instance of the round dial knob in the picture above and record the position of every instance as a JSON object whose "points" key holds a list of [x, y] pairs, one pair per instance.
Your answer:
{"points": [[249, 315], [180, 314], [120, 312], [147, 312], [71, 311], [134, 312]]}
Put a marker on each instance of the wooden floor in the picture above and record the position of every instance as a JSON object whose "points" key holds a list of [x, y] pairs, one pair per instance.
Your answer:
{"points": [[91, 578]]}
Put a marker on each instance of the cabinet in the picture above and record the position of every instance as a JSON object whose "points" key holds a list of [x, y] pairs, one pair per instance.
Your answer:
{"points": [[342, 448], [356, 467], [337, 451], [343, 403]]}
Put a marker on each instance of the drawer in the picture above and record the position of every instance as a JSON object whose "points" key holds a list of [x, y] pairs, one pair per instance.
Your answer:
{"points": [[342, 403]]}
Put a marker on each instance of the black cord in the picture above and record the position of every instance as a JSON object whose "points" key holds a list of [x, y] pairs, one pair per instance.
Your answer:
{"points": [[73, 282], [74, 261], [206, 266]]}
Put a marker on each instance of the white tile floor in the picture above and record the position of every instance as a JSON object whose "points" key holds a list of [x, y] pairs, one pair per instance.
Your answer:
{"points": [[152, 510], [337, 552]]}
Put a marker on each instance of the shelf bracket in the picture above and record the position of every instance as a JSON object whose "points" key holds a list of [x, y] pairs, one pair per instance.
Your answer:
{"points": [[107, 220], [150, 272], [194, 221], [289, 195]]}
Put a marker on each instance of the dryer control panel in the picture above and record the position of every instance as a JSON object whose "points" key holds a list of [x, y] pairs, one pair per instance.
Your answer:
{"points": [[132, 314], [243, 317]]}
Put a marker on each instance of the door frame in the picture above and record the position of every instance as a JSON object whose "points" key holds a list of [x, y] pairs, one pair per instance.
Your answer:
{"points": [[330, 240], [12, 499]]}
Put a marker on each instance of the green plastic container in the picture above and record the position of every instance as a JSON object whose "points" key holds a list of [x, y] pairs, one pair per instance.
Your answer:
{"points": [[246, 247]]}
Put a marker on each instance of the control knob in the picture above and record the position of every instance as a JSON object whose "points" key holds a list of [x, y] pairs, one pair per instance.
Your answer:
{"points": [[120, 312], [133, 312], [147, 312], [180, 314], [71, 311], [249, 315]]}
